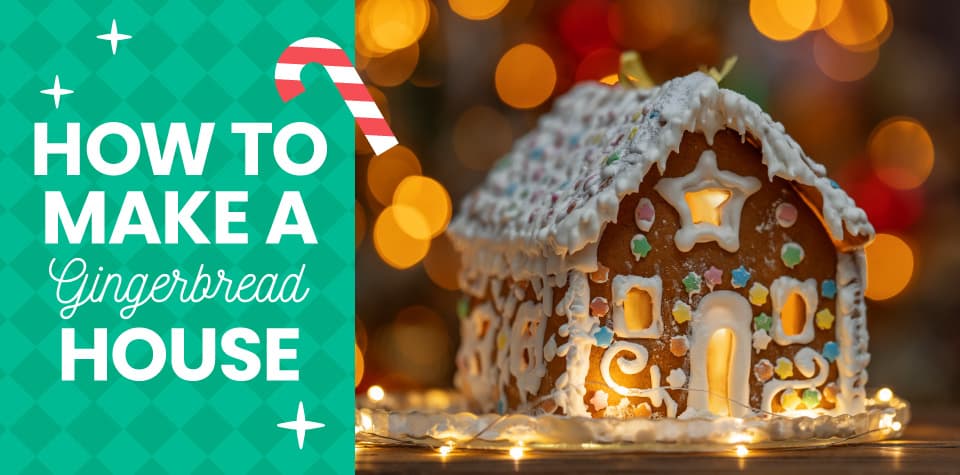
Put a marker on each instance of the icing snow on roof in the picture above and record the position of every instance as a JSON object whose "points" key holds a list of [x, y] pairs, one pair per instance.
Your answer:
{"points": [[552, 194]]}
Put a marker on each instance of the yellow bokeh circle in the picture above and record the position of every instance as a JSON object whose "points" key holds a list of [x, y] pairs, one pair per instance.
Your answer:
{"points": [[889, 266], [430, 198], [477, 9], [394, 245], [902, 152], [525, 76]]}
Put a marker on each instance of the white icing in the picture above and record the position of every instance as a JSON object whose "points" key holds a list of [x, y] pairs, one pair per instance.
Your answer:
{"points": [[476, 374], [554, 192], [569, 388], [550, 349], [653, 286], [657, 394], [804, 361], [717, 310], [707, 175], [526, 349], [677, 378], [761, 339], [780, 290], [851, 328]]}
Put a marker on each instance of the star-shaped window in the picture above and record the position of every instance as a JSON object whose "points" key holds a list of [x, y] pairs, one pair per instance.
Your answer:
{"points": [[709, 202]]}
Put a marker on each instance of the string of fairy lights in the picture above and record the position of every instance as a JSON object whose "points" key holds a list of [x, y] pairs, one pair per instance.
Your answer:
{"points": [[738, 443]]}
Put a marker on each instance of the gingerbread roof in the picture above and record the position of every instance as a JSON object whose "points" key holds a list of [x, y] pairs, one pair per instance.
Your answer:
{"points": [[552, 194]]}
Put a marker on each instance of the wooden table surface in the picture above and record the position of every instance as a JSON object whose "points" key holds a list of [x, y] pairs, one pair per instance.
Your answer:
{"points": [[931, 444]]}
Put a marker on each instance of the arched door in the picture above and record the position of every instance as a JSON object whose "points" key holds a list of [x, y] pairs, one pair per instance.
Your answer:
{"points": [[720, 355]]}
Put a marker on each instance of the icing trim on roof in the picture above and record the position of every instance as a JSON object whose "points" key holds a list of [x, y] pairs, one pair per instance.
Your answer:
{"points": [[554, 192]]}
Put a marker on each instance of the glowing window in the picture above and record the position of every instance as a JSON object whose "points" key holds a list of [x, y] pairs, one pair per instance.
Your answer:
{"points": [[794, 302], [793, 315], [719, 359], [636, 306], [706, 205]]}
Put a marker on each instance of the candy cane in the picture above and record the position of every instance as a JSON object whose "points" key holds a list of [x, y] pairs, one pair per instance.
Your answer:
{"points": [[347, 80]]}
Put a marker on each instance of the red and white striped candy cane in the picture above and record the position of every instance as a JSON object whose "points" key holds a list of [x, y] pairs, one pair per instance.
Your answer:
{"points": [[347, 80]]}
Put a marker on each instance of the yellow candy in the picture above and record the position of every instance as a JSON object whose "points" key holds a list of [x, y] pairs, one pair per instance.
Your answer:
{"points": [[824, 319], [501, 341], [789, 400], [784, 368], [758, 294], [681, 312]]}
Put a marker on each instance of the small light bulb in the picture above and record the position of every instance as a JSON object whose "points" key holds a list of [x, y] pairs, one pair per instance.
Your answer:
{"points": [[896, 426], [516, 452], [445, 450], [742, 450], [884, 395], [376, 393]]}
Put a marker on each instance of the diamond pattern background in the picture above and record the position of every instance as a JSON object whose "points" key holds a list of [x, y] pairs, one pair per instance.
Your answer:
{"points": [[206, 62]]}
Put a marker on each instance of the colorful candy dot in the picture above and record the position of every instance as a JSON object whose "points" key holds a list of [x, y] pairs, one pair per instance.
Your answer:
{"points": [[824, 319], [681, 311], [786, 215], [613, 157], [790, 400], [692, 283], [599, 400], [501, 406], [811, 398], [828, 288], [761, 339], [639, 246], [599, 307], [784, 368], [762, 322], [713, 277], [679, 345], [463, 307], [791, 254], [763, 370], [601, 275], [644, 214], [739, 277], [603, 337], [758, 294], [831, 351]]}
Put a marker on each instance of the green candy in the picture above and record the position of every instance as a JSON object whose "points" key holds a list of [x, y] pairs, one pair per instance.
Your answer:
{"points": [[692, 282], [463, 307], [762, 322], [640, 246], [791, 254], [811, 398], [612, 158]]}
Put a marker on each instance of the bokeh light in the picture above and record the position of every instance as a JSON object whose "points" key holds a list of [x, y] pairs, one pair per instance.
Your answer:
{"points": [[394, 68], [360, 226], [477, 9], [841, 64], [770, 20], [889, 266], [646, 25], [443, 263], [357, 365], [480, 136], [525, 76], [827, 11], [859, 22], [393, 24], [386, 171], [430, 198], [598, 65], [901, 152], [584, 26], [394, 245]]}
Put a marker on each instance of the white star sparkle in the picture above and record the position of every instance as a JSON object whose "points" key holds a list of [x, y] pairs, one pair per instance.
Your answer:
{"points": [[301, 425], [56, 91], [114, 37]]}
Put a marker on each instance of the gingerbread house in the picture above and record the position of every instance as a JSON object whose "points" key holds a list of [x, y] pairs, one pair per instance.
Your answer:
{"points": [[661, 252]]}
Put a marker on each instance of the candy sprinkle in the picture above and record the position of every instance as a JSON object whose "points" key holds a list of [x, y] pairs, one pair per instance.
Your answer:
{"points": [[786, 215], [828, 288], [644, 214], [713, 276], [784, 368], [811, 398], [639, 246], [681, 311], [762, 322], [830, 351], [791, 254], [758, 294], [739, 277], [824, 319], [692, 283], [603, 337]]}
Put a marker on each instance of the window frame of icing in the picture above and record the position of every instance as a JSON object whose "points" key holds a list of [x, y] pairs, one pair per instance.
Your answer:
{"points": [[653, 286], [528, 312], [780, 290], [706, 175]]}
